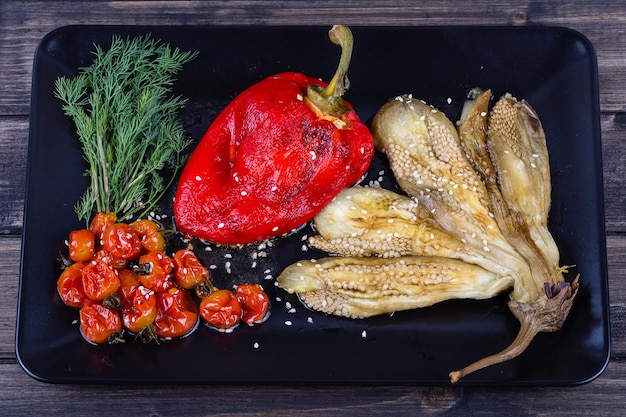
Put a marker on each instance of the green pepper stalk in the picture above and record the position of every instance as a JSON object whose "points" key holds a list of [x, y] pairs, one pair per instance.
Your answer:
{"points": [[328, 99]]}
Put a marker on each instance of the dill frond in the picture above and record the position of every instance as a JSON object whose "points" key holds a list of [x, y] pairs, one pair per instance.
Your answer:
{"points": [[126, 120]]}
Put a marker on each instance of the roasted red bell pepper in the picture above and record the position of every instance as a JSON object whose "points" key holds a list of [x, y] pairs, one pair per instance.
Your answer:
{"points": [[274, 157]]}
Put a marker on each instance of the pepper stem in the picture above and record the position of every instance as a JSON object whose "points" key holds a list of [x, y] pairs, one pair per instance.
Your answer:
{"points": [[329, 99]]}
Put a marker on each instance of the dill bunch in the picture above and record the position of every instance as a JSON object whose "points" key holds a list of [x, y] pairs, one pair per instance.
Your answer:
{"points": [[126, 119]]}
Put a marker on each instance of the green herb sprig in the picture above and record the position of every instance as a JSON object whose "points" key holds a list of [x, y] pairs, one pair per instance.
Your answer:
{"points": [[126, 119]]}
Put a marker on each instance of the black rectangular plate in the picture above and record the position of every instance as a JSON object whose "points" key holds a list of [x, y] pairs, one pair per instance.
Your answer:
{"points": [[554, 69]]}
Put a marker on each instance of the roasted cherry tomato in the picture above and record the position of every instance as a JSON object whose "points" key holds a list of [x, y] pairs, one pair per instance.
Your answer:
{"points": [[189, 272], [113, 262], [154, 271], [101, 221], [82, 245], [221, 310], [129, 281], [177, 313], [99, 280], [121, 241], [140, 310], [254, 302], [151, 237], [70, 286], [98, 324]]}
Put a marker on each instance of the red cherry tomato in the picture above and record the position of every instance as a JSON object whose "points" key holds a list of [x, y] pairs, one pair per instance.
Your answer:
{"points": [[98, 324], [129, 281], [177, 313], [151, 237], [70, 286], [121, 241], [99, 280], [158, 269], [221, 309], [254, 302], [102, 221], [113, 262], [82, 244], [189, 272], [140, 309]]}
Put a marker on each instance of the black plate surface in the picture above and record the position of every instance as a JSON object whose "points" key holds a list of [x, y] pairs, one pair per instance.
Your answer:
{"points": [[554, 69]]}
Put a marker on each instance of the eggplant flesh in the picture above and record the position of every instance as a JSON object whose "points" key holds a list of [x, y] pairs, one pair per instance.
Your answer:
{"points": [[470, 222]]}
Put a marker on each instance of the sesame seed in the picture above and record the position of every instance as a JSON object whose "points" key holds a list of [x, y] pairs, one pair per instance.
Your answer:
{"points": [[299, 97], [275, 228], [288, 323], [244, 193], [256, 345], [221, 225], [309, 319], [198, 178], [364, 334]]}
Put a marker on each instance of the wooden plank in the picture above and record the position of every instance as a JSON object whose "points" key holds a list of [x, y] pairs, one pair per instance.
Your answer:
{"points": [[14, 141], [9, 282], [24, 23], [13, 148], [283, 401], [9, 272]]}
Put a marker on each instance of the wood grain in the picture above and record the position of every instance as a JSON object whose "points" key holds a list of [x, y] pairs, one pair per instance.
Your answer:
{"points": [[24, 23]]}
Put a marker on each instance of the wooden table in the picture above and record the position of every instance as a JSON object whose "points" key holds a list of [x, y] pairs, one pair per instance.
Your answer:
{"points": [[24, 23]]}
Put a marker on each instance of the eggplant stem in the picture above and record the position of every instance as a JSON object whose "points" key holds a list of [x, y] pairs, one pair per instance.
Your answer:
{"points": [[544, 315]]}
